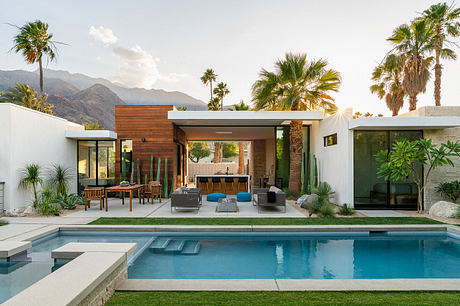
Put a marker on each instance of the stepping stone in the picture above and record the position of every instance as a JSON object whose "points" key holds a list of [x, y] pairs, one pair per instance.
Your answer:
{"points": [[160, 243], [191, 247], [175, 246]]}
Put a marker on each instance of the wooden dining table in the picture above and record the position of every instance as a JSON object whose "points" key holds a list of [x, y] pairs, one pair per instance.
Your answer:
{"points": [[140, 188]]}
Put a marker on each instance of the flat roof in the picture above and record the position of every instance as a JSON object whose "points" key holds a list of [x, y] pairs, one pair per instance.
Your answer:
{"points": [[91, 134], [241, 118], [403, 123]]}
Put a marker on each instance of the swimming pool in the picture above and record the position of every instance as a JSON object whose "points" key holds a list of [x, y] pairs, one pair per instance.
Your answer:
{"points": [[310, 255]]}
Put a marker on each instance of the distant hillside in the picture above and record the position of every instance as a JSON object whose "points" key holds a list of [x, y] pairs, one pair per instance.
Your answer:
{"points": [[94, 103], [130, 95], [80, 98]]}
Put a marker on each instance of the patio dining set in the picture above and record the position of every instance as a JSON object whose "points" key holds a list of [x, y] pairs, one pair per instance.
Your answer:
{"points": [[100, 194]]}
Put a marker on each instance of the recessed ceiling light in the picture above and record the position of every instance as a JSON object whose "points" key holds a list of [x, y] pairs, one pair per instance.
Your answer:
{"points": [[224, 132]]}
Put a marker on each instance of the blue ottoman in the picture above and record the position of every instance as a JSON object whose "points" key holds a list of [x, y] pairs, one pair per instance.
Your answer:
{"points": [[243, 197], [214, 197]]}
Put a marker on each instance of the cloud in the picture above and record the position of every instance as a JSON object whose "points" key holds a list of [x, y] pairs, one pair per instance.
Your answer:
{"points": [[104, 35], [138, 68]]}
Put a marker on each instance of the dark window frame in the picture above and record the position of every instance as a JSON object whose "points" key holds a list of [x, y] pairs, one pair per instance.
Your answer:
{"points": [[326, 140]]}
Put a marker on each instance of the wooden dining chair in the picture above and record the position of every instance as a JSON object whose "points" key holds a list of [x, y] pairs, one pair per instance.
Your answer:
{"points": [[153, 189], [94, 193]]}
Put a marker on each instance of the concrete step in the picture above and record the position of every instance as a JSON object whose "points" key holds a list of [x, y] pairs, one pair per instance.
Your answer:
{"points": [[191, 247], [160, 243], [175, 246]]}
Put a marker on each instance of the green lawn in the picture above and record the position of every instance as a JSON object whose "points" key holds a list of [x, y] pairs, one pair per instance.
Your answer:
{"points": [[285, 298], [263, 221]]}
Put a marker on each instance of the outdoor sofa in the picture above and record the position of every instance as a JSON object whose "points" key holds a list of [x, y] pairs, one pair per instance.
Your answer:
{"points": [[262, 198], [186, 198]]}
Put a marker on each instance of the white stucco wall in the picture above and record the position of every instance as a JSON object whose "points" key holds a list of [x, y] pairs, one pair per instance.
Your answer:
{"points": [[28, 136], [335, 163]]}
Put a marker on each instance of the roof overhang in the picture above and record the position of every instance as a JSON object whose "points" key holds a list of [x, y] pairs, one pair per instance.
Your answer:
{"points": [[241, 118], [403, 123], [91, 134]]}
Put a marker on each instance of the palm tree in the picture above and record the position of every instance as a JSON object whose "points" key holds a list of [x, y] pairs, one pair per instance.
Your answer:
{"points": [[208, 77], [214, 105], [240, 107], [31, 176], [444, 19], [34, 42], [388, 82], [221, 91], [24, 95], [59, 178], [414, 41], [296, 84]]}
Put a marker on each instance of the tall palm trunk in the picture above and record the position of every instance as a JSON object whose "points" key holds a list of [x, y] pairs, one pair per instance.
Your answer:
{"points": [[241, 157], [438, 69], [42, 106], [216, 152], [210, 83], [296, 146], [437, 80], [412, 102]]}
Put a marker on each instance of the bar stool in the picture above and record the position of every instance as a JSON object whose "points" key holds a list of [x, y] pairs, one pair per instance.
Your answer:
{"points": [[216, 184], [203, 184], [229, 188], [242, 184]]}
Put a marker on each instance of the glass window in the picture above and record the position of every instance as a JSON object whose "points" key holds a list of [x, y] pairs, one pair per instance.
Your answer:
{"points": [[106, 163], [126, 154], [369, 189], [330, 140], [86, 164], [282, 157]]}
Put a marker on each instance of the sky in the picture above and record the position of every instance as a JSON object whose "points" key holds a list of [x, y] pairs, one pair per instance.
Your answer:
{"points": [[169, 44]]}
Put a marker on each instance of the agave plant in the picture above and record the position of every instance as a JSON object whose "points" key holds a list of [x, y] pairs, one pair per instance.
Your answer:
{"points": [[324, 192], [31, 177], [59, 178]]}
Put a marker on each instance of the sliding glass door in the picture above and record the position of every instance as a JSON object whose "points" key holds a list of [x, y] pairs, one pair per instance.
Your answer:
{"points": [[370, 191], [96, 163]]}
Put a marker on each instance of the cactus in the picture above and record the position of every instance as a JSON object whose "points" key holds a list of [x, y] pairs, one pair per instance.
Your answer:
{"points": [[308, 179], [138, 172], [146, 179], [151, 167], [159, 169], [132, 173], [172, 187], [123, 165], [121, 193], [315, 173], [165, 183]]}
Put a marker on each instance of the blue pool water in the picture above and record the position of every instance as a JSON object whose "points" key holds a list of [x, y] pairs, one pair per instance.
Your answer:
{"points": [[357, 255], [337, 256]]}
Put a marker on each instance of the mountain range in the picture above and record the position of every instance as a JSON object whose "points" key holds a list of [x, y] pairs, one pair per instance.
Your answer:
{"points": [[80, 98]]}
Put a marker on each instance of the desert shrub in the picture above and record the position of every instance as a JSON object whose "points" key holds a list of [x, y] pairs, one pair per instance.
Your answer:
{"points": [[47, 203], [449, 190], [458, 211], [315, 206], [346, 210], [324, 192], [326, 211], [70, 201]]}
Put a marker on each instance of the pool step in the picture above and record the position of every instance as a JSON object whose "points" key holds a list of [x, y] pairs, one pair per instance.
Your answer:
{"points": [[160, 243], [175, 246], [191, 247]]}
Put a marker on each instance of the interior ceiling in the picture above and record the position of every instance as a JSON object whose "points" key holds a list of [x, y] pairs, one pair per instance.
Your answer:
{"points": [[211, 133]]}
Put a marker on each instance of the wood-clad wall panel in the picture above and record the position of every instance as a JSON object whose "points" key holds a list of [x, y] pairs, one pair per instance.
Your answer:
{"points": [[150, 122]]}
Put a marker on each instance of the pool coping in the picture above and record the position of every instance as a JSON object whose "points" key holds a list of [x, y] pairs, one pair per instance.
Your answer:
{"points": [[273, 284]]}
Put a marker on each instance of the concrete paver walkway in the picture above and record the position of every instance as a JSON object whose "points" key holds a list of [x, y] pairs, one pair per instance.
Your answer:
{"points": [[381, 213]]}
